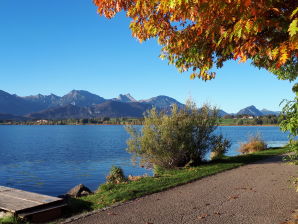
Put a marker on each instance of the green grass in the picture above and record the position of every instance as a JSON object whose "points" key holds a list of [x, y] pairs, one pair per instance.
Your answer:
{"points": [[228, 121], [109, 194], [11, 220]]}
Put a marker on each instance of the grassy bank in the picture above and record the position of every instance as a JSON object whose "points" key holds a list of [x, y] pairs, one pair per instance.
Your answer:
{"points": [[109, 194]]}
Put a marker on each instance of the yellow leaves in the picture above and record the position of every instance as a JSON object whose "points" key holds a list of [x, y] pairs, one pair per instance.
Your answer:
{"points": [[243, 59], [282, 54], [284, 57], [293, 28], [193, 76], [249, 25], [274, 53], [293, 31], [172, 4], [294, 13]]}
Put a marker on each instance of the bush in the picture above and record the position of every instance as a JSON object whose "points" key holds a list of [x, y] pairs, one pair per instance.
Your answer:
{"points": [[174, 139], [116, 176], [220, 147], [254, 144]]}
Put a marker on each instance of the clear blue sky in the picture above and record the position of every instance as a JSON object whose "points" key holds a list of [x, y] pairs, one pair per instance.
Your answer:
{"points": [[55, 46]]}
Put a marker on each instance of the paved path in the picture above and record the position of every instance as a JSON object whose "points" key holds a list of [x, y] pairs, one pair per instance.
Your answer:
{"points": [[252, 194]]}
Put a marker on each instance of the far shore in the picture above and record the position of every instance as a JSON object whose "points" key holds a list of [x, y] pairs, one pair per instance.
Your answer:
{"points": [[220, 125]]}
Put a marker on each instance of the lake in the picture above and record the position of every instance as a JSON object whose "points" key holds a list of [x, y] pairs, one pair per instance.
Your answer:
{"points": [[52, 159]]}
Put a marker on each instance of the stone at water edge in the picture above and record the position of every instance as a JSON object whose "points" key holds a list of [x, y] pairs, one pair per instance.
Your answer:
{"points": [[79, 191]]}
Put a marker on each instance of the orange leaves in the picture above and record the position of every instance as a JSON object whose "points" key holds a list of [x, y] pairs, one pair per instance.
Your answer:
{"points": [[200, 33], [247, 3], [109, 8], [243, 59]]}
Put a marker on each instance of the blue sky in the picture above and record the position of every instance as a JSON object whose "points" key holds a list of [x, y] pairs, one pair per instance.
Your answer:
{"points": [[55, 46]]}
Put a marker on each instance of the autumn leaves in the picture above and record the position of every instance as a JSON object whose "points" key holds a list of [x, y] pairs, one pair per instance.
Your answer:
{"points": [[199, 34]]}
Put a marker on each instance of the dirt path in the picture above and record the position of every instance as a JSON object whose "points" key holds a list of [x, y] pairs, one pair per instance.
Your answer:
{"points": [[252, 194]]}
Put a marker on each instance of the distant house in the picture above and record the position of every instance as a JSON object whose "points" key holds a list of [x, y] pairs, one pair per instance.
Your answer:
{"points": [[42, 121], [247, 117]]}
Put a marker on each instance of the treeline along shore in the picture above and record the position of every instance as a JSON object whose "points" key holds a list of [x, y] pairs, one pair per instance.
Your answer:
{"points": [[227, 120]]}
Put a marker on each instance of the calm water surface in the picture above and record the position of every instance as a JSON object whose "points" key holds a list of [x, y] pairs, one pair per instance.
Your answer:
{"points": [[53, 159]]}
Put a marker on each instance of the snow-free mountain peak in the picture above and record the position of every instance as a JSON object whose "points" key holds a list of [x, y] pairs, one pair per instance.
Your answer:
{"points": [[251, 110], [125, 98], [162, 101], [81, 98]]}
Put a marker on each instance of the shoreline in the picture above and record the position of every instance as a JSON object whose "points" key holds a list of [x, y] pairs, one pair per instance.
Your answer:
{"points": [[220, 125], [133, 191]]}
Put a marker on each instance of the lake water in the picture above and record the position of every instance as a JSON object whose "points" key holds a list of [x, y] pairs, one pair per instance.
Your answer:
{"points": [[53, 159]]}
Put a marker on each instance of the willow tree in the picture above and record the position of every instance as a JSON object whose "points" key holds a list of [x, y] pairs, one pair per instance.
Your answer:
{"points": [[199, 35]]}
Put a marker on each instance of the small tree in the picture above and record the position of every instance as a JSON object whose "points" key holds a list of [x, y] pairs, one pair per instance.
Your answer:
{"points": [[115, 176], [173, 140], [220, 147]]}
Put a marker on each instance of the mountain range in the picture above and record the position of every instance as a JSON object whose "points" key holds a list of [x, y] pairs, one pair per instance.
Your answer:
{"points": [[83, 104], [253, 111]]}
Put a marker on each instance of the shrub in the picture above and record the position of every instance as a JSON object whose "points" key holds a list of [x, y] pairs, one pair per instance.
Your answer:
{"points": [[220, 147], [116, 176], [254, 144], [174, 139]]}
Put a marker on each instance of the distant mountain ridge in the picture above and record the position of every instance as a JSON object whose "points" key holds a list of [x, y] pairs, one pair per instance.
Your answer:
{"points": [[162, 101], [80, 98], [251, 110], [269, 112], [83, 104], [79, 104]]}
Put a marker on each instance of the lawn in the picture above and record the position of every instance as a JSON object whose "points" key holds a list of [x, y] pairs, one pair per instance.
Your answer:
{"points": [[109, 194]]}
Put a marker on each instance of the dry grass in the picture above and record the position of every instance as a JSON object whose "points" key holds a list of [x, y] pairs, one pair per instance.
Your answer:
{"points": [[254, 144]]}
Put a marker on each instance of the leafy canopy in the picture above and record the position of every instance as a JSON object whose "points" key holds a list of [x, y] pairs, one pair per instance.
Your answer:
{"points": [[198, 34]]}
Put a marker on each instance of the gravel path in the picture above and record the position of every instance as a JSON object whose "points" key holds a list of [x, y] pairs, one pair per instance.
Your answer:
{"points": [[257, 193]]}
